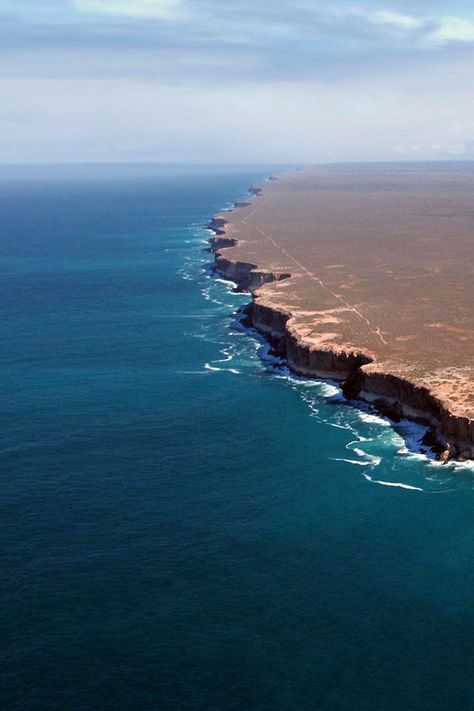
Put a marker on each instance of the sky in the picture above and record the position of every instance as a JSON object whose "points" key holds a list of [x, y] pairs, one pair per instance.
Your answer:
{"points": [[234, 81]]}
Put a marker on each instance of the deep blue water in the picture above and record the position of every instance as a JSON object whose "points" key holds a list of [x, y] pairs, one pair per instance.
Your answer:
{"points": [[183, 525]]}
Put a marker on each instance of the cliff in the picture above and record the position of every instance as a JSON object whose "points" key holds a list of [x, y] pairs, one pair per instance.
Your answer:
{"points": [[450, 435]]}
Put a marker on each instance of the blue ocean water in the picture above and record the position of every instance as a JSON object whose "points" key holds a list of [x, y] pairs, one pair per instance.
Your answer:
{"points": [[184, 525]]}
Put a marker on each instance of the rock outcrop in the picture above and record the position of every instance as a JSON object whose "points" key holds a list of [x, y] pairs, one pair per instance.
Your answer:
{"points": [[450, 436]]}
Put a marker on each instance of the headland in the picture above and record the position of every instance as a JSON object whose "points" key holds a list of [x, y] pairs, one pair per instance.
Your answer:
{"points": [[365, 274]]}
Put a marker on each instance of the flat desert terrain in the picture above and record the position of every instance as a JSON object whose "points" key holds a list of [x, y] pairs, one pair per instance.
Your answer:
{"points": [[381, 259]]}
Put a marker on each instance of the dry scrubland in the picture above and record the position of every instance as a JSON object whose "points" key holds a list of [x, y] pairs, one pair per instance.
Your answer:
{"points": [[365, 273]]}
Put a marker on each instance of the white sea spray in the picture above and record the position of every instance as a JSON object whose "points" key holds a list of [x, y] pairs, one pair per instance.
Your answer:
{"points": [[373, 439]]}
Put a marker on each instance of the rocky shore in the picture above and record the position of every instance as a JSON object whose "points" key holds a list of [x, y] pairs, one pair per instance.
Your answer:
{"points": [[450, 436]]}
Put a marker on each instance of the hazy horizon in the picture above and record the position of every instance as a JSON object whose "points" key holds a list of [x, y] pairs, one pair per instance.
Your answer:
{"points": [[195, 81], [460, 160]]}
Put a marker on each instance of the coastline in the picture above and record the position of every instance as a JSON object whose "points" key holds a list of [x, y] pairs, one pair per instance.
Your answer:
{"points": [[449, 436]]}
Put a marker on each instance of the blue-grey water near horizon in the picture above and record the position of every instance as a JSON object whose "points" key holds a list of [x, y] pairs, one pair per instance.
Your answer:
{"points": [[185, 525]]}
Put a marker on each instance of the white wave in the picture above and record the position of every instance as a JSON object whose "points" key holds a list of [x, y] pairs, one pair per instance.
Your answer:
{"points": [[464, 466], [313, 409], [263, 351], [325, 390], [406, 440], [215, 369], [412, 433], [225, 282], [396, 484], [359, 440], [416, 456], [370, 418], [396, 439], [228, 357], [373, 459], [348, 429], [208, 295], [454, 466], [329, 390]]}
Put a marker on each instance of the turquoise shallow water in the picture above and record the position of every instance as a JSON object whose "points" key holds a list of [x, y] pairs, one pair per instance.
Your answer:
{"points": [[185, 526]]}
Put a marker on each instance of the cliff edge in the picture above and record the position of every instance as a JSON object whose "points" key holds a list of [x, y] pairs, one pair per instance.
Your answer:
{"points": [[337, 296]]}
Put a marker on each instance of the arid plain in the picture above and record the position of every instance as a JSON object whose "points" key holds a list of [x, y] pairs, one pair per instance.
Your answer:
{"points": [[369, 269]]}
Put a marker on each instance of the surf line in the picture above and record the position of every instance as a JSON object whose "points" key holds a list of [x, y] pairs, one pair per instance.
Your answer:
{"points": [[397, 484]]}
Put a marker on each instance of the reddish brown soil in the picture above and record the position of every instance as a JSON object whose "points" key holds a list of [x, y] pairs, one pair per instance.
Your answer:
{"points": [[382, 263]]}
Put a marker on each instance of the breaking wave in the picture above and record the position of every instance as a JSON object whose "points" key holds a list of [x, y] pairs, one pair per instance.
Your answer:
{"points": [[372, 441]]}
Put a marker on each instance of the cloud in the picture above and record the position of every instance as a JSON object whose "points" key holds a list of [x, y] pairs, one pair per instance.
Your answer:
{"points": [[235, 80], [127, 119], [396, 20], [130, 8], [286, 31], [455, 29]]}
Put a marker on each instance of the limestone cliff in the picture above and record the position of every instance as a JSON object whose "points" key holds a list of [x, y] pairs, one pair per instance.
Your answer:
{"points": [[451, 436]]}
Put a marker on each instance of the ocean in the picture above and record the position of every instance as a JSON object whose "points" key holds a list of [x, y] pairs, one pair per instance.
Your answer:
{"points": [[184, 524]]}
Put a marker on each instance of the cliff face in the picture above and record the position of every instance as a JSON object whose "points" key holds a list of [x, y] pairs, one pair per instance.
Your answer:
{"points": [[246, 276], [451, 436], [217, 225], [454, 434]]}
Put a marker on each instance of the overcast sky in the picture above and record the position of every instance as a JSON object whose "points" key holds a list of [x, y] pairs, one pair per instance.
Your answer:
{"points": [[267, 81]]}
